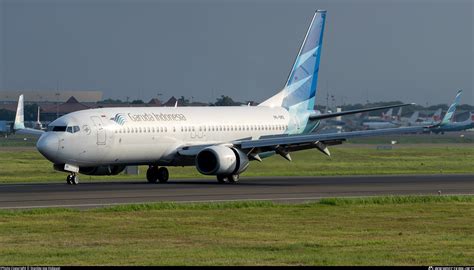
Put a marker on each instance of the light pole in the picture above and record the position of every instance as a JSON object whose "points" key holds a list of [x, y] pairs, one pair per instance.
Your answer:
{"points": [[57, 105]]}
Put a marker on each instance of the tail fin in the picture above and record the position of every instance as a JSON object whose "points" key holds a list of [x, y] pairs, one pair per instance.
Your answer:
{"points": [[399, 114], [437, 115], [413, 117], [19, 117], [300, 88], [448, 117], [387, 116]]}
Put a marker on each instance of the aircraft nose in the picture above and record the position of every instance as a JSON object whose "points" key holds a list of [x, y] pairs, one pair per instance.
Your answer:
{"points": [[48, 145]]}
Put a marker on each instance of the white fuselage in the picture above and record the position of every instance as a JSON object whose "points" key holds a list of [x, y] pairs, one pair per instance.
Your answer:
{"points": [[153, 135]]}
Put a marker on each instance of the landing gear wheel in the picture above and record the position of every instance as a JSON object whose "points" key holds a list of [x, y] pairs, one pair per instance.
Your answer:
{"points": [[68, 179], [152, 174], [163, 175], [233, 178], [221, 179], [74, 179]]}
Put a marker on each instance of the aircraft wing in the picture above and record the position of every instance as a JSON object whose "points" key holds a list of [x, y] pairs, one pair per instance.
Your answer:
{"points": [[300, 142], [283, 144], [29, 131], [336, 114]]}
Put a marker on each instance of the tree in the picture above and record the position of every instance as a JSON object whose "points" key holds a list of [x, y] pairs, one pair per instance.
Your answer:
{"points": [[137, 101], [110, 101], [183, 101], [226, 101]]}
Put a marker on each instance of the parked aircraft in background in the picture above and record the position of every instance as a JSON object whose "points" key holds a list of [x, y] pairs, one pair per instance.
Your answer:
{"points": [[38, 124], [456, 126], [447, 124], [219, 141], [19, 124], [435, 118]]}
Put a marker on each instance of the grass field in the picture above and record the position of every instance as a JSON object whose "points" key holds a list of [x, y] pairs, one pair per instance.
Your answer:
{"points": [[370, 231], [27, 165]]}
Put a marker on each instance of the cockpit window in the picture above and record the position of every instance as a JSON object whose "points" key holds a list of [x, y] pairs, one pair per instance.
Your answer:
{"points": [[59, 128], [70, 129]]}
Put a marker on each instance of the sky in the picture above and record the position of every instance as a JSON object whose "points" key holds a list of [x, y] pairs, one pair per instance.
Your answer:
{"points": [[373, 50]]}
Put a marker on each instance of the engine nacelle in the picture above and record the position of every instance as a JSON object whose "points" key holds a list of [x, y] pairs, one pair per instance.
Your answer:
{"points": [[102, 170], [219, 159]]}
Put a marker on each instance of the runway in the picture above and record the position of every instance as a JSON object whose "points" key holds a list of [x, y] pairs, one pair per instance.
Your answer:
{"points": [[96, 194]]}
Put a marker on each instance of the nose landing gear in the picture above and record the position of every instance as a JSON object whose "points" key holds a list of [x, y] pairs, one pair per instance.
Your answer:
{"points": [[154, 174], [72, 179]]}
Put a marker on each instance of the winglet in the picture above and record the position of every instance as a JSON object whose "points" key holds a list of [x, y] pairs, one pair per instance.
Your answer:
{"points": [[19, 117]]}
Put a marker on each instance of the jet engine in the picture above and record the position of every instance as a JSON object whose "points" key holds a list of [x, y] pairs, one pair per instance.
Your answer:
{"points": [[221, 160], [102, 170]]}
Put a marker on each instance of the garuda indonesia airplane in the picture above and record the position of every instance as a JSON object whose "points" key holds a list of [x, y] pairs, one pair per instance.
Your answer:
{"points": [[219, 141]]}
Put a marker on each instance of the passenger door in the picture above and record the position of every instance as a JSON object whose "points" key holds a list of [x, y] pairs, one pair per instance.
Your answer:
{"points": [[101, 135]]}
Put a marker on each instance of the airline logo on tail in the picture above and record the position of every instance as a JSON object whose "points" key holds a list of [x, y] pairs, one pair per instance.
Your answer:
{"points": [[300, 88]]}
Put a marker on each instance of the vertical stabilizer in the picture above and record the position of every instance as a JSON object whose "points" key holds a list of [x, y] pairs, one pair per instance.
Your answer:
{"points": [[300, 88], [387, 116], [414, 117], [448, 117], [437, 115], [19, 117], [399, 114]]}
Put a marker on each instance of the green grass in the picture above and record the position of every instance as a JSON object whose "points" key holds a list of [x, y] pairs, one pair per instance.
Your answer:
{"points": [[367, 231], [27, 165], [468, 137]]}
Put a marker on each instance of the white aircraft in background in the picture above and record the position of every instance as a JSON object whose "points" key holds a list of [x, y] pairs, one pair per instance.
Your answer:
{"points": [[435, 118], [38, 124], [219, 141]]}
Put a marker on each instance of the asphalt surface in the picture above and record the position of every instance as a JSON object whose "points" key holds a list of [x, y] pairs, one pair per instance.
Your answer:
{"points": [[97, 194]]}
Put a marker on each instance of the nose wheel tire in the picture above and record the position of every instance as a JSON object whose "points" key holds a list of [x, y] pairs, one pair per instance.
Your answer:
{"points": [[163, 175]]}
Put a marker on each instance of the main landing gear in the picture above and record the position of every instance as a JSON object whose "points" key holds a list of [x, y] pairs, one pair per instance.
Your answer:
{"points": [[72, 179], [154, 174], [229, 179]]}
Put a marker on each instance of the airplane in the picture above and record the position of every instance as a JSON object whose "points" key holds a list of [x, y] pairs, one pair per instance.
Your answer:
{"points": [[456, 126], [218, 141], [19, 124], [386, 121], [447, 124], [38, 124], [435, 118]]}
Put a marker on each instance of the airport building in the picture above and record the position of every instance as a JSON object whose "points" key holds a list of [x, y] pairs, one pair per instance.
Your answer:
{"points": [[49, 96]]}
